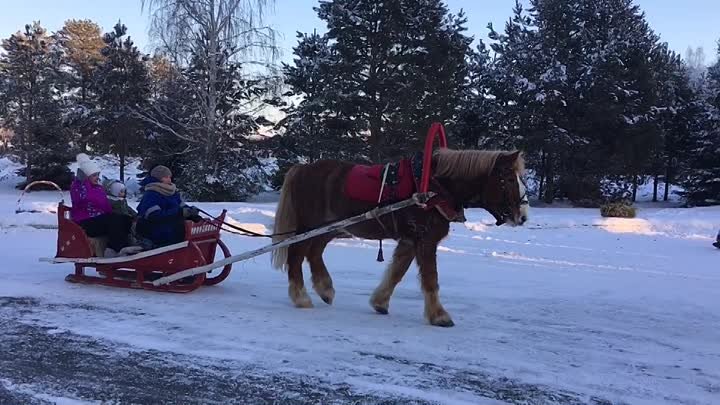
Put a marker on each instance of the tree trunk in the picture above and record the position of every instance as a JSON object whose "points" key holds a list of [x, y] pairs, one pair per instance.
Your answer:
{"points": [[122, 165], [212, 135], [84, 131], [542, 175], [656, 179], [549, 194], [668, 179], [376, 140], [29, 144], [634, 188], [28, 168], [122, 153]]}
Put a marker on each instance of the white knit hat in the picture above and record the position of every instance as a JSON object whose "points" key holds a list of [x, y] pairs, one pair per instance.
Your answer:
{"points": [[116, 188], [87, 165]]}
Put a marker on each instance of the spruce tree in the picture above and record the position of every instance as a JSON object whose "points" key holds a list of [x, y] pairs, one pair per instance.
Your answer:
{"points": [[123, 86], [702, 174], [576, 87], [80, 43], [400, 65], [475, 123], [33, 96], [315, 126], [169, 109]]}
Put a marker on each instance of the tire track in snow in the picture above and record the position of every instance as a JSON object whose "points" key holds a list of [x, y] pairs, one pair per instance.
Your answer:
{"points": [[38, 363]]}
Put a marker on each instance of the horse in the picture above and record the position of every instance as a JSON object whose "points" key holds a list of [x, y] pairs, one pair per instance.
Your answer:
{"points": [[312, 195]]}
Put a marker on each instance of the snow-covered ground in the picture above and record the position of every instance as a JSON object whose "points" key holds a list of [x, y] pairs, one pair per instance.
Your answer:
{"points": [[570, 309]]}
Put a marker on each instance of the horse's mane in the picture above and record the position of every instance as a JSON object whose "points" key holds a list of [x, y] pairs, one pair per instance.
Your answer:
{"points": [[452, 163]]}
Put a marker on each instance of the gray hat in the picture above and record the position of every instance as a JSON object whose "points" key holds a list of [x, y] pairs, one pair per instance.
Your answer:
{"points": [[160, 171]]}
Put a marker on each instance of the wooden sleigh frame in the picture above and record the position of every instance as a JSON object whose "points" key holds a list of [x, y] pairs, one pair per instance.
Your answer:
{"points": [[140, 270]]}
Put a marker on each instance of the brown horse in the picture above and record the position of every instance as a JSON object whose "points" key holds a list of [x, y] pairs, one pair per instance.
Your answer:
{"points": [[312, 195]]}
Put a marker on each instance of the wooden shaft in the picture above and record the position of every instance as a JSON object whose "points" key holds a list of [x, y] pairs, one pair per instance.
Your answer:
{"points": [[416, 199]]}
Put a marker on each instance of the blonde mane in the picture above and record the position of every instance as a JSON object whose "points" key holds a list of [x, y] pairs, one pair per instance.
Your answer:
{"points": [[470, 163]]}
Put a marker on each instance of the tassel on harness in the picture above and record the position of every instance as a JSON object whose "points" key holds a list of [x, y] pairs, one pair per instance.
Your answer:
{"points": [[380, 256]]}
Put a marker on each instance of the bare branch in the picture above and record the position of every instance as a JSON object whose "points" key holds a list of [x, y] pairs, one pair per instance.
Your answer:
{"points": [[153, 121]]}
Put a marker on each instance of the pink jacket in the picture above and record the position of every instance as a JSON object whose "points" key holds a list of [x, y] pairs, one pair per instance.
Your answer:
{"points": [[88, 200]]}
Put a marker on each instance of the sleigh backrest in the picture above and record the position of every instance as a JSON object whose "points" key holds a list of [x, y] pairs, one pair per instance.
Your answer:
{"points": [[71, 240], [205, 235]]}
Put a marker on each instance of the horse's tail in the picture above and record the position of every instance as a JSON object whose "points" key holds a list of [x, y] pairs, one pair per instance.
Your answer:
{"points": [[285, 220]]}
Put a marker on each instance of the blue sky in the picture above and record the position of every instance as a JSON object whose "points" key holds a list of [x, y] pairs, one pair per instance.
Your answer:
{"points": [[680, 23]]}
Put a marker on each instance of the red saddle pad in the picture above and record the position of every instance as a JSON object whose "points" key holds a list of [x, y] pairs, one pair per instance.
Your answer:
{"points": [[363, 183]]}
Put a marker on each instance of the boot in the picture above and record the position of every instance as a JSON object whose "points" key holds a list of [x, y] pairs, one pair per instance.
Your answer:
{"points": [[130, 250], [110, 253]]}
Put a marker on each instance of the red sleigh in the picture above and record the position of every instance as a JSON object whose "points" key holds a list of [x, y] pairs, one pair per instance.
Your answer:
{"points": [[139, 270]]}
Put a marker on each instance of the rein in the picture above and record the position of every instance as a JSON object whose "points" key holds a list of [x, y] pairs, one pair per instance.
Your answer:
{"points": [[246, 232], [242, 231]]}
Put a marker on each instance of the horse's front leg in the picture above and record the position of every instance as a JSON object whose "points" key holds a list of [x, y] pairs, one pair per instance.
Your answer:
{"points": [[427, 261], [402, 258], [296, 285]]}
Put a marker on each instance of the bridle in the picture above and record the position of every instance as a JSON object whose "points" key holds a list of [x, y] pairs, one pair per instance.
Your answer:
{"points": [[506, 211]]}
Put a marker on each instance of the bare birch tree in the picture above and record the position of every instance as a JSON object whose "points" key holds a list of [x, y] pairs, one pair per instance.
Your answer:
{"points": [[218, 31]]}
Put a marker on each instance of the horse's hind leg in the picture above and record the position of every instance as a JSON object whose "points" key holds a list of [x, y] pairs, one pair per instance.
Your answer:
{"points": [[322, 282], [402, 258], [296, 285]]}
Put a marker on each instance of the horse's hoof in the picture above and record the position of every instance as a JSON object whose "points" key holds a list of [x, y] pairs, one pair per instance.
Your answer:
{"points": [[380, 310], [303, 303], [325, 291], [380, 305], [443, 320], [300, 298], [328, 296]]}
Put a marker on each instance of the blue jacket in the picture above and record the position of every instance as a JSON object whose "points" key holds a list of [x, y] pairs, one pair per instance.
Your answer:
{"points": [[160, 216]]}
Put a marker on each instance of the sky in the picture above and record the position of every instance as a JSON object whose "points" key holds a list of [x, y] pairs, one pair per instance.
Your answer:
{"points": [[680, 23]]}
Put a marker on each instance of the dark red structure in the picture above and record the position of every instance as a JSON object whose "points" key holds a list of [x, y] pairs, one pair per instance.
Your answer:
{"points": [[436, 131], [139, 270]]}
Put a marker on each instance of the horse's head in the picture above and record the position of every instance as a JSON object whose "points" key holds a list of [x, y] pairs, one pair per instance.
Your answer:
{"points": [[492, 180]]}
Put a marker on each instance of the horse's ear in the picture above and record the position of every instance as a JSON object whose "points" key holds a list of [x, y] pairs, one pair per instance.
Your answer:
{"points": [[509, 158]]}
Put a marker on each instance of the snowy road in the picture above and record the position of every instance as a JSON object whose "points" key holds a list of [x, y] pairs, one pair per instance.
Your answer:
{"points": [[572, 309]]}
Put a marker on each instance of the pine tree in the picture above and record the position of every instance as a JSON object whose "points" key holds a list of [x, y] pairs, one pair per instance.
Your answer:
{"points": [[122, 85], [81, 44], [713, 82], [576, 87], [168, 110], [679, 116], [30, 70], [475, 122], [536, 69], [702, 180], [316, 127], [400, 65]]}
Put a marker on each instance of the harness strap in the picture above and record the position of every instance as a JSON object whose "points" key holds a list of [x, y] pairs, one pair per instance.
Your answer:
{"points": [[386, 169]]}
